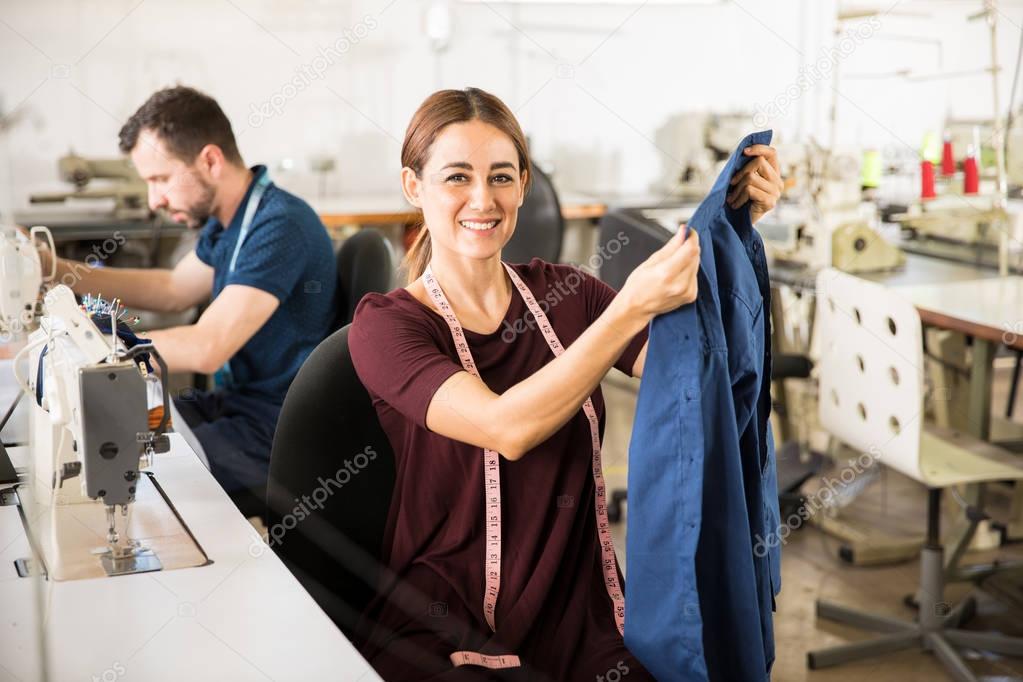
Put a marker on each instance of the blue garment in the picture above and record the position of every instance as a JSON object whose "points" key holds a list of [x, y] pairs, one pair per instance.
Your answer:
{"points": [[287, 253], [702, 480]]}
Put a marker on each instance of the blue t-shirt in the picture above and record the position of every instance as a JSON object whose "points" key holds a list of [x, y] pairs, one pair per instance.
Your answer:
{"points": [[287, 253]]}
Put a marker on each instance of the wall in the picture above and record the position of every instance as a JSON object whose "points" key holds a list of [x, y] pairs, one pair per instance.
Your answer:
{"points": [[591, 83]]}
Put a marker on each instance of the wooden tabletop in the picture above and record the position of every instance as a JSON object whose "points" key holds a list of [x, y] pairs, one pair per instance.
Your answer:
{"points": [[990, 309], [389, 209]]}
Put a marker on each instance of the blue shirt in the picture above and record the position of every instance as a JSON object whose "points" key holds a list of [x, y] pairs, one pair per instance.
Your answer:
{"points": [[286, 253], [702, 481]]}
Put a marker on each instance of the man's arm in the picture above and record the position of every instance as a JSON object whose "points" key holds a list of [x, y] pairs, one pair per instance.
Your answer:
{"points": [[234, 317], [188, 284]]}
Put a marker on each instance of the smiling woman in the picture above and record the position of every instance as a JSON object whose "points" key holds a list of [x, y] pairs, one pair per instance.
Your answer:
{"points": [[498, 516], [452, 131]]}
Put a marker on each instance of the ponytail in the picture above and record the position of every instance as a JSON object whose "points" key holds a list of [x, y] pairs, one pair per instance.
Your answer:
{"points": [[418, 255]]}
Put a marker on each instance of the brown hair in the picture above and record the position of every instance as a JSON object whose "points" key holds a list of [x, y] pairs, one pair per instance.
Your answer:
{"points": [[438, 111], [186, 120]]}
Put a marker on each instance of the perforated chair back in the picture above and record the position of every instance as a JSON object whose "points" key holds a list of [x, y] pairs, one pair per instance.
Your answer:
{"points": [[540, 228], [870, 369]]}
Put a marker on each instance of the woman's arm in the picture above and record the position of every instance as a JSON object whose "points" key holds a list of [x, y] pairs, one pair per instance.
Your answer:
{"points": [[514, 422], [637, 367], [759, 182]]}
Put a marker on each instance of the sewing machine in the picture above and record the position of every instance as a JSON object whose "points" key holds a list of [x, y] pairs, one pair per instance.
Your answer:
{"points": [[701, 142], [92, 436], [124, 185], [972, 220], [823, 219], [21, 277], [965, 219]]}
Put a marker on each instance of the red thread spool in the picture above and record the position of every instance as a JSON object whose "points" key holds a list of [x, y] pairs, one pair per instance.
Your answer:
{"points": [[927, 180], [971, 176], [948, 160]]}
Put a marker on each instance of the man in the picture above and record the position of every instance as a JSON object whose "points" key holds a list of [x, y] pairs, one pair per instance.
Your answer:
{"points": [[263, 256]]}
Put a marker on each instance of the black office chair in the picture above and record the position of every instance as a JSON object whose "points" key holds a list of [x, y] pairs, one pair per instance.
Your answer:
{"points": [[365, 263], [328, 418], [540, 227], [333, 546]]}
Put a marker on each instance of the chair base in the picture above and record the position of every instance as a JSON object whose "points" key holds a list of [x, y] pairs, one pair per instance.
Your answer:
{"points": [[938, 630], [941, 641]]}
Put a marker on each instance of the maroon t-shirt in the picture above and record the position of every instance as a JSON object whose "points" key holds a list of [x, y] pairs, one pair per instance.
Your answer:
{"points": [[553, 610]]}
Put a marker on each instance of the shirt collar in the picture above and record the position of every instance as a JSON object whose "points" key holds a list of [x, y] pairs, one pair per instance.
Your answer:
{"points": [[213, 225]]}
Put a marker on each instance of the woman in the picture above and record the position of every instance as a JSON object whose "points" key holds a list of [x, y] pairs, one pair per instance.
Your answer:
{"points": [[503, 563]]}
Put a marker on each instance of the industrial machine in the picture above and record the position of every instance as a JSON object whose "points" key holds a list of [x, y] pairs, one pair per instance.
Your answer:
{"points": [[93, 432], [701, 142], [823, 220], [21, 278], [117, 180], [972, 220]]}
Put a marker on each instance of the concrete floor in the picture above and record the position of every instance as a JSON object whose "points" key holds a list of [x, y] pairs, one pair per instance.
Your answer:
{"points": [[811, 570]]}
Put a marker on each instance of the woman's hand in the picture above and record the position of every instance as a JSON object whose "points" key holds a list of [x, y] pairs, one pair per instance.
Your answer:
{"points": [[758, 181], [667, 279]]}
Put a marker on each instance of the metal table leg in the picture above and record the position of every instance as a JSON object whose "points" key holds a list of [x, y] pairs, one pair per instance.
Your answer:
{"points": [[979, 425]]}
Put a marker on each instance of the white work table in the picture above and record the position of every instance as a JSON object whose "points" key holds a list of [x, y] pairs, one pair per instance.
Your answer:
{"points": [[991, 311], [991, 308], [243, 617]]}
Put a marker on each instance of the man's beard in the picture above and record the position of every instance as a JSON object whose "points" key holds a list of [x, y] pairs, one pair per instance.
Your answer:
{"points": [[199, 212]]}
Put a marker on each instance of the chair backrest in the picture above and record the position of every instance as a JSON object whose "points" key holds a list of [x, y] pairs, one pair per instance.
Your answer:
{"points": [[365, 263], [331, 479], [540, 228], [871, 369], [630, 227]]}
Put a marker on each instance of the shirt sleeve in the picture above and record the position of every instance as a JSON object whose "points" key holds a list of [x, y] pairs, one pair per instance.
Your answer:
{"points": [[396, 356], [598, 296], [204, 247], [272, 258]]}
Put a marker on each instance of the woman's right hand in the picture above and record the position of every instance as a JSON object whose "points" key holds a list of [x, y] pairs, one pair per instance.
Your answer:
{"points": [[667, 279]]}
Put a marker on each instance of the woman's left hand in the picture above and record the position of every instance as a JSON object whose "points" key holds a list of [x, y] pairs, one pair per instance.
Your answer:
{"points": [[758, 181]]}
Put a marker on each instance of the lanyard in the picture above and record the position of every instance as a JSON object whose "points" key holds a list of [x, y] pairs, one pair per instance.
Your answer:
{"points": [[262, 182], [492, 479], [223, 376]]}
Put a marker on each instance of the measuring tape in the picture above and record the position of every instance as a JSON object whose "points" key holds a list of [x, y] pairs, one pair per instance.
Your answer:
{"points": [[261, 183], [223, 376], [492, 480]]}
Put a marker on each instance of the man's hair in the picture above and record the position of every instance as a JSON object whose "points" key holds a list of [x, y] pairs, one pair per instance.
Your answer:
{"points": [[186, 120]]}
